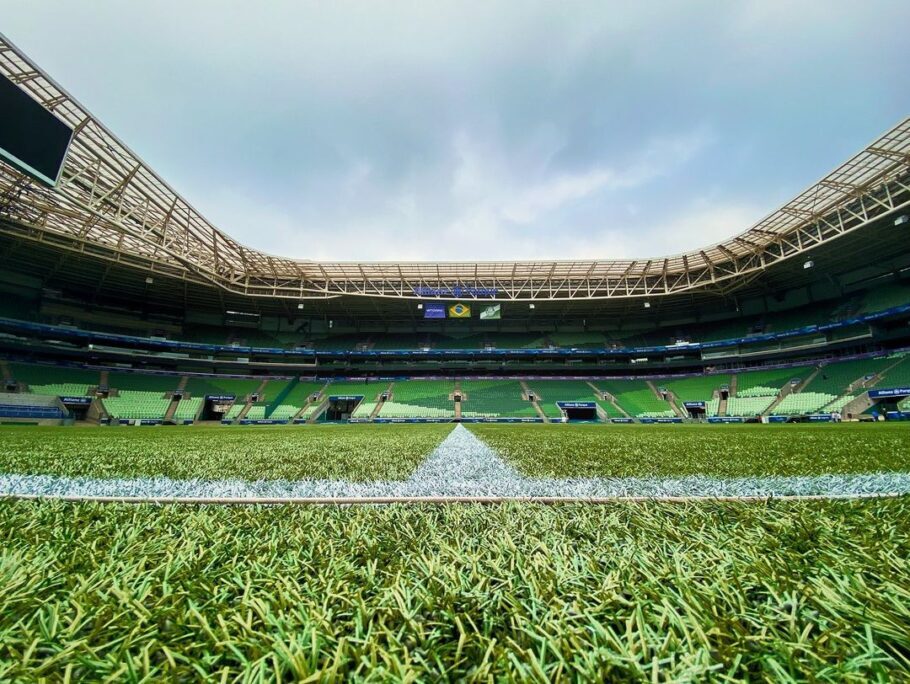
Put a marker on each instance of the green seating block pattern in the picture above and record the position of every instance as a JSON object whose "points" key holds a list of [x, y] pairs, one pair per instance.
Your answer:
{"points": [[765, 383], [803, 403], [188, 409], [137, 404], [394, 409], [37, 374], [256, 412], [899, 376], [749, 406], [548, 392], [430, 398], [239, 387], [834, 378], [635, 397], [695, 389], [64, 389], [495, 398], [364, 409], [140, 382]]}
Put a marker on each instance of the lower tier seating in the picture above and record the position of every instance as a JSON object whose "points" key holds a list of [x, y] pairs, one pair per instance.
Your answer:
{"points": [[137, 405], [188, 409], [748, 406], [803, 403], [495, 398]]}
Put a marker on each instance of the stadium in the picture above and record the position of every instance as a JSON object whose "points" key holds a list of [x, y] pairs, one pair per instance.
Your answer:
{"points": [[218, 462]]}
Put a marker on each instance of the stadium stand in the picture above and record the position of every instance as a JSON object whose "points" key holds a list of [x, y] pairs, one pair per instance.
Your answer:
{"points": [[768, 383], [49, 379], [835, 378], [749, 406], [364, 409], [420, 399], [578, 340], [188, 408], [235, 411], [636, 398], [256, 412], [803, 403], [140, 382], [287, 401], [494, 399], [551, 391], [898, 376], [203, 386], [137, 405], [695, 389]]}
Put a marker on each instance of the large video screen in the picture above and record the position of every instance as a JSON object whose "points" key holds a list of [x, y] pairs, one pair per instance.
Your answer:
{"points": [[31, 138]]}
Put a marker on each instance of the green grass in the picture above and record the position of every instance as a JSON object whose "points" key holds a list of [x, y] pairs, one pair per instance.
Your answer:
{"points": [[351, 452], [676, 450], [780, 591]]}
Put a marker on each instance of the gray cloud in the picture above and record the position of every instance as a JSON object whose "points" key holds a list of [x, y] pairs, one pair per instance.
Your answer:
{"points": [[471, 130]]}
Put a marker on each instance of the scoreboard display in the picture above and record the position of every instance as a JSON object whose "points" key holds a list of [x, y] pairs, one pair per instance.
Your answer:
{"points": [[32, 139]]}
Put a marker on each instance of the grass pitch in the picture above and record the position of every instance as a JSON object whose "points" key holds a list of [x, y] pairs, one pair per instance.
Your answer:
{"points": [[350, 452], [716, 450], [779, 591]]}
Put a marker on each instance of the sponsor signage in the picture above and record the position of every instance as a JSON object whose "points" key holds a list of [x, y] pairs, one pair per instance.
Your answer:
{"points": [[777, 419], [623, 421], [726, 419], [456, 292], [889, 392], [694, 404], [434, 310], [669, 420], [576, 404], [220, 397], [77, 401], [820, 418], [346, 397]]}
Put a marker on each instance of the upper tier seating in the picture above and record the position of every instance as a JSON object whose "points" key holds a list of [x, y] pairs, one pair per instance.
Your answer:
{"points": [[579, 340], [137, 405], [495, 398]]}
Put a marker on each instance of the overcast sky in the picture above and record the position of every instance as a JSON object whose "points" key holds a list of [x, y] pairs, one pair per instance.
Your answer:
{"points": [[480, 130]]}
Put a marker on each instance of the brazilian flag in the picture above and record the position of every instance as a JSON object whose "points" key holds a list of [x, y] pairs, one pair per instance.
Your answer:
{"points": [[459, 311]]}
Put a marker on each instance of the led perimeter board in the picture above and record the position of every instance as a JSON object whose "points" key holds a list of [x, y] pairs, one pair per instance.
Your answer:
{"points": [[31, 138]]}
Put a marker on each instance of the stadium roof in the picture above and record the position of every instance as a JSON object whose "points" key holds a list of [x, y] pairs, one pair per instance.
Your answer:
{"points": [[109, 204]]}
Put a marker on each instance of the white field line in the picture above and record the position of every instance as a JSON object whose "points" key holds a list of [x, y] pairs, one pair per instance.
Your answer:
{"points": [[461, 469]]}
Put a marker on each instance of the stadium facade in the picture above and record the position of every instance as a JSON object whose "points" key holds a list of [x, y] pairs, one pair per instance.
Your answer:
{"points": [[106, 266]]}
